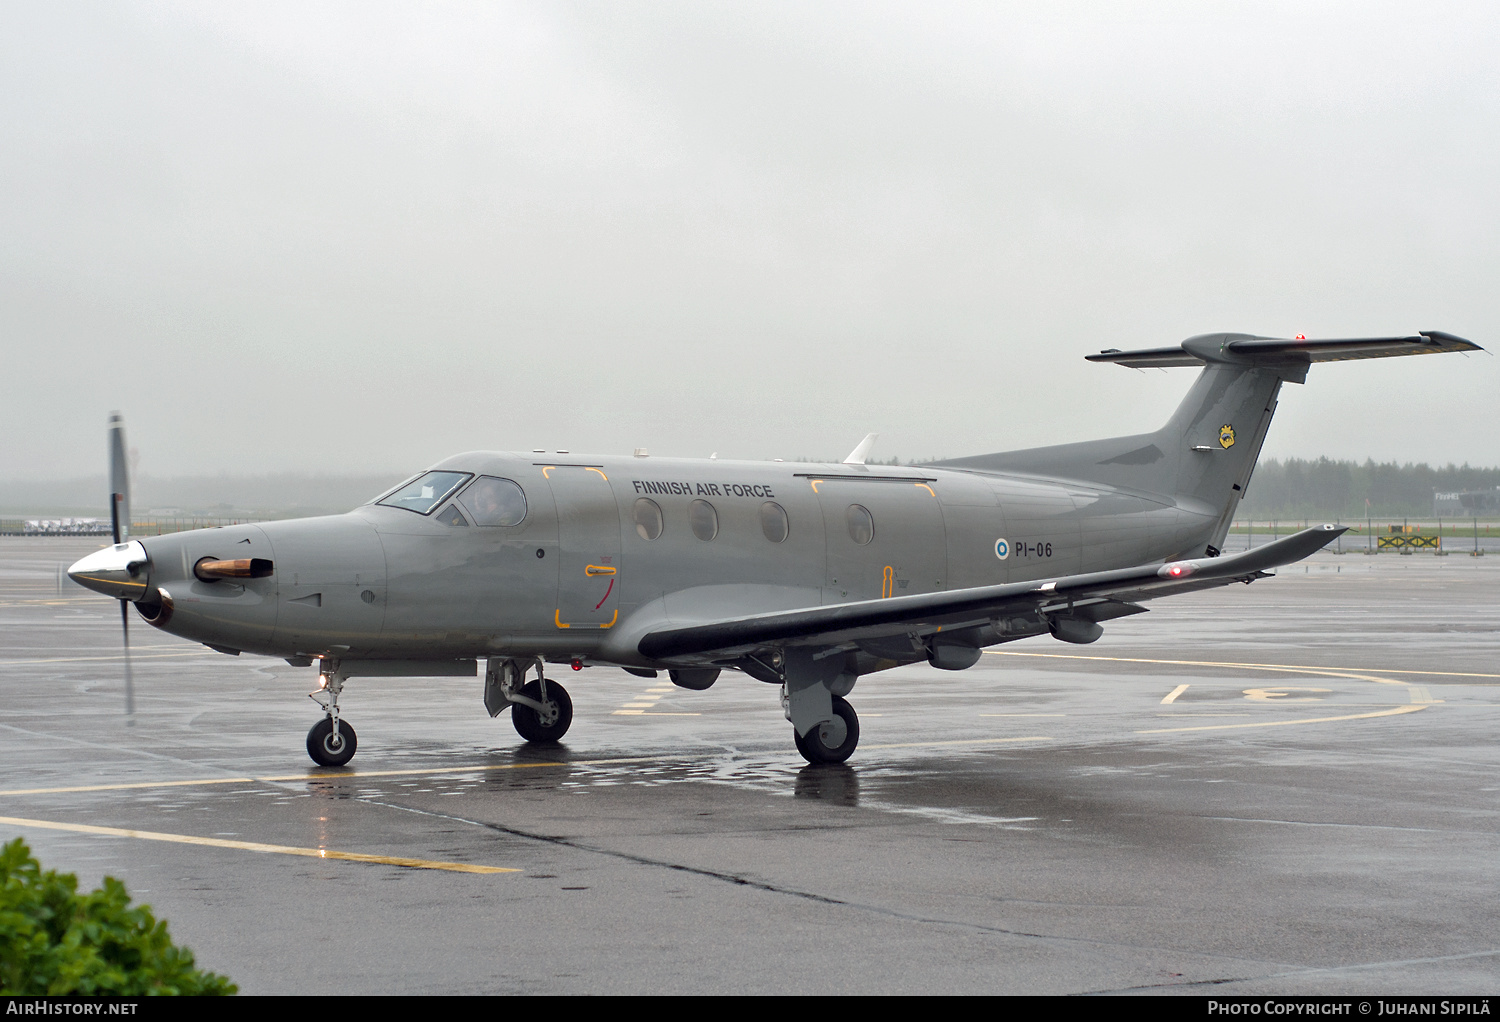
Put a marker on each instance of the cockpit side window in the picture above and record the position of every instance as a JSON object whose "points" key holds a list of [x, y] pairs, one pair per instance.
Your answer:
{"points": [[426, 492], [492, 501]]}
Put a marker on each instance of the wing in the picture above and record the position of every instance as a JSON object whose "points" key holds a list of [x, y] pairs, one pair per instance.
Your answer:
{"points": [[928, 612]]}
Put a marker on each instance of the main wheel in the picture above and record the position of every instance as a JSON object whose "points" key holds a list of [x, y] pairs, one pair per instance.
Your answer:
{"points": [[542, 728], [832, 741], [328, 749]]}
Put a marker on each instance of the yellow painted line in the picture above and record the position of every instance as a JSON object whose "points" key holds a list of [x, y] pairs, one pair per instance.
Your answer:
{"points": [[653, 713], [1180, 713], [1172, 695], [1394, 711], [963, 741], [127, 787], [256, 846], [1283, 694], [110, 581], [1215, 663], [639, 706], [351, 776]]}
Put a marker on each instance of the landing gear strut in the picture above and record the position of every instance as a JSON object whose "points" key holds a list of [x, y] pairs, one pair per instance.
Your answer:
{"points": [[813, 686], [331, 742], [540, 710]]}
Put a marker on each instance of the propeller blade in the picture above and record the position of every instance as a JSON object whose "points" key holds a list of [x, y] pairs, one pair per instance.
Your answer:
{"points": [[119, 480], [129, 679], [119, 520]]}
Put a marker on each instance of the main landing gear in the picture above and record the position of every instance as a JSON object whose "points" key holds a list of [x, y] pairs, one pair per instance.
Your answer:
{"points": [[540, 710], [813, 685], [832, 741], [331, 742]]}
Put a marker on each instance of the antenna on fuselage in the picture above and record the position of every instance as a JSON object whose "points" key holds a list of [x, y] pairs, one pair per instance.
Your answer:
{"points": [[860, 453]]}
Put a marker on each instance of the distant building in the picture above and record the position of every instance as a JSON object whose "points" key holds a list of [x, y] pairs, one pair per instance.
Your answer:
{"points": [[66, 527], [1466, 505]]}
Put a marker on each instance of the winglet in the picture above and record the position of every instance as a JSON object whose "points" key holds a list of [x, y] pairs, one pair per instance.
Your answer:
{"points": [[860, 453]]}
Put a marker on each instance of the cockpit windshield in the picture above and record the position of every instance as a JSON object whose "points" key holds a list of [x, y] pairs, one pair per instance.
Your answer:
{"points": [[426, 492]]}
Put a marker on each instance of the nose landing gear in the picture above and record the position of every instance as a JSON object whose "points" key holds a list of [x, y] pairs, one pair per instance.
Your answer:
{"points": [[328, 747], [331, 742]]}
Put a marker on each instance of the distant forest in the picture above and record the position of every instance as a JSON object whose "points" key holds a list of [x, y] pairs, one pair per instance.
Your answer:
{"points": [[1324, 488], [1298, 488]]}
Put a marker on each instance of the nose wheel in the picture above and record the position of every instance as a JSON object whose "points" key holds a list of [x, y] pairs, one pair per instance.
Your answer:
{"points": [[331, 742], [832, 741], [328, 747]]}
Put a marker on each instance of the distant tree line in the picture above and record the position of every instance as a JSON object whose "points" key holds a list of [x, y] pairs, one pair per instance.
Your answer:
{"points": [[1300, 487]]}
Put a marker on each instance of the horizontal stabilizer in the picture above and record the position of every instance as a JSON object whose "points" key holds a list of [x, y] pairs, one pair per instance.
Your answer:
{"points": [[1247, 350]]}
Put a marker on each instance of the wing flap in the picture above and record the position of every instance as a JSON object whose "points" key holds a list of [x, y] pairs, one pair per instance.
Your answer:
{"points": [[830, 625]]}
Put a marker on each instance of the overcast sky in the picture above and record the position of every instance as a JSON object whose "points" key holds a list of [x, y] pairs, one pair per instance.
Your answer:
{"points": [[363, 236]]}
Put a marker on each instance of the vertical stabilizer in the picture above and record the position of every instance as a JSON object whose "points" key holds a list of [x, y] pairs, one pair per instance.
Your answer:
{"points": [[1204, 456]]}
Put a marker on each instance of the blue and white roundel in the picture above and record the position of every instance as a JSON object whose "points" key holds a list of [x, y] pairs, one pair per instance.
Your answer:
{"points": [[1002, 549]]}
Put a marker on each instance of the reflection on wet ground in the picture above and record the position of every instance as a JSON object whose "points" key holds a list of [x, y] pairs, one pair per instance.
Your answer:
{"points": [[1285, 788]]}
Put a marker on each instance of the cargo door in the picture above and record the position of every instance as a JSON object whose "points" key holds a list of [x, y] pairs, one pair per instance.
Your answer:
{"points": [[977, 544], [884, 538], [588, 542]]}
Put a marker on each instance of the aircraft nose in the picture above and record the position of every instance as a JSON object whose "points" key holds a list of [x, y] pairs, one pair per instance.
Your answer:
{"points": [[118, 571]]}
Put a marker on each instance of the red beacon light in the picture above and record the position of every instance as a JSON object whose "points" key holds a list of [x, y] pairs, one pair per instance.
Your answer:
{"points": [[1301, 337], [1177, 569]]}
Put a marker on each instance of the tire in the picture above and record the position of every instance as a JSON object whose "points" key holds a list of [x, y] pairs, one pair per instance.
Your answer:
{"points": [[531, 726], [324, 750], [814, 745]]}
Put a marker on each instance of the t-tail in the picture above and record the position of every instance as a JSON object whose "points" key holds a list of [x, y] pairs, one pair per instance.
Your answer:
{"points": [[1203, 457]]}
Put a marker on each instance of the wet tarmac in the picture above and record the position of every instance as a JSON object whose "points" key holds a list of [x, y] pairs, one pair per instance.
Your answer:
{"points": [[1290, 787]]}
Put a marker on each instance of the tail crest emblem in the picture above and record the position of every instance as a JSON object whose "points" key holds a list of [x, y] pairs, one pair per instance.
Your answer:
{"points": [[1226, 436]]}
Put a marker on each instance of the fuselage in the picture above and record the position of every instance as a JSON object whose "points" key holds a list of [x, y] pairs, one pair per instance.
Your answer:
{"points": [[608, 547]]}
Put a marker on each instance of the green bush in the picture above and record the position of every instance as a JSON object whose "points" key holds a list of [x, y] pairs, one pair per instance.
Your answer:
{"points": [[54, 940]]}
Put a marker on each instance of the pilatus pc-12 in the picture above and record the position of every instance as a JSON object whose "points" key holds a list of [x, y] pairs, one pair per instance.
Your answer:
{"points": [[802, 576]]}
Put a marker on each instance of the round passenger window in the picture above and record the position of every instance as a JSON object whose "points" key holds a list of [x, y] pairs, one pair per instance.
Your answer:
{"points": [[493, 501], [773, 521], [861, 525], [647, 518], [704, 519]]}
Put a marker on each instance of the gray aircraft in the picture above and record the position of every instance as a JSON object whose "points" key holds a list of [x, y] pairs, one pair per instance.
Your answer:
{"points": [[804, 576]]}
